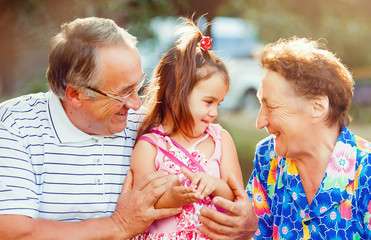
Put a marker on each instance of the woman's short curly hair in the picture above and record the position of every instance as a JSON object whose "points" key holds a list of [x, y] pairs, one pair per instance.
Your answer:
{"points": [[312, 71]]}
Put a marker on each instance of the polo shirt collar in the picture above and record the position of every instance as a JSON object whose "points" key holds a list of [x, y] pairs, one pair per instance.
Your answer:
{"points": [[64, 130]]}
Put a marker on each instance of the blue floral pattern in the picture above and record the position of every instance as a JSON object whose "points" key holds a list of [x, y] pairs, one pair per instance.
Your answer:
{"points": [[341, 208]]}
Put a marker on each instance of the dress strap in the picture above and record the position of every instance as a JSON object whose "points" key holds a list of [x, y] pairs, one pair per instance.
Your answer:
{"points": [[200, 140], [171, 156]]}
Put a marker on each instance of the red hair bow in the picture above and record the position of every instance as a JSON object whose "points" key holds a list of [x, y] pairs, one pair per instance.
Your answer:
{"points": [[206, 43]]}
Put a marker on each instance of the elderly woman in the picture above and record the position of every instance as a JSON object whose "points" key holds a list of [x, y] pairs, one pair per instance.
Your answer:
{"points": [[312, 176]]}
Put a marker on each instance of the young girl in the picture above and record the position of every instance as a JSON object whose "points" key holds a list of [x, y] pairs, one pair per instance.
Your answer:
{"points": [[178, 136]]}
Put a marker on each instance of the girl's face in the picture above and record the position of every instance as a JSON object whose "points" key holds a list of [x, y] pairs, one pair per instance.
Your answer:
{"points": [[204, 100]]}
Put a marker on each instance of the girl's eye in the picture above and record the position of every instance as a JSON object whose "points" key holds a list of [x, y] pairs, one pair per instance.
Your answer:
{"points": [[209, 102]]}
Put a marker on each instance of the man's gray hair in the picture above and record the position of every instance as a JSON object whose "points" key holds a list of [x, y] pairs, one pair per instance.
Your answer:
{"points": [[73, 52]]}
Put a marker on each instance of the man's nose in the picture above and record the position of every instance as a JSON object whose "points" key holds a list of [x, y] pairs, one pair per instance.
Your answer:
{"points": [[133, 102]]}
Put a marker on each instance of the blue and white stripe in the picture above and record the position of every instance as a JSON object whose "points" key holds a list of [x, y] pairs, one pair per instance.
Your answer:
{"points": [[49, 169]]}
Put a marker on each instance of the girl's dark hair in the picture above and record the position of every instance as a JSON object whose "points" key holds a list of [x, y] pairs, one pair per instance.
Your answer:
{"points": [[174, 77]]}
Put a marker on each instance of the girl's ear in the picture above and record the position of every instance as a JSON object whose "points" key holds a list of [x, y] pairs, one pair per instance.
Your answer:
{"points": [[320, 108], [74, 96]]}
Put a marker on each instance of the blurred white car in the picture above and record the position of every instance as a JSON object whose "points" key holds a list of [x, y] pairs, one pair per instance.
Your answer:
{"points": [[234, 40], [245, 77]]}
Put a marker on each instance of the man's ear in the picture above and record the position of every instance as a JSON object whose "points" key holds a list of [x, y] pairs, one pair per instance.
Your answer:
{"points": [[74, 96], [320, 108]]}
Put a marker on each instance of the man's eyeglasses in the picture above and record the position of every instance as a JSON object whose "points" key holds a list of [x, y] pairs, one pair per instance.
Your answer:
{"points": [[123, 97]]}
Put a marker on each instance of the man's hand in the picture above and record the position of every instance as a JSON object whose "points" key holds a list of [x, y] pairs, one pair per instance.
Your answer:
{"points": [[135, 207], [241, 223]]}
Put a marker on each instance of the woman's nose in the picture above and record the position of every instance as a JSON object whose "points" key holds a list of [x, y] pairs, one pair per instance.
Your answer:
{"points": [[261, 120]]}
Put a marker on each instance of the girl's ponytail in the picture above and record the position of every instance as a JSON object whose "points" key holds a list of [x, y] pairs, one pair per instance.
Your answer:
{"points": [[174, 77]]}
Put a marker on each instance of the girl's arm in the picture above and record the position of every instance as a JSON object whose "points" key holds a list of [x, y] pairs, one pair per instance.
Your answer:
{"points": [[142, 159], [142, 162], [229, 164], [206, 185]]}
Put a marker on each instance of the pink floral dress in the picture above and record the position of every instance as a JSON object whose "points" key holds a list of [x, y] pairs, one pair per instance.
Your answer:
{"points": [[184, 225]]}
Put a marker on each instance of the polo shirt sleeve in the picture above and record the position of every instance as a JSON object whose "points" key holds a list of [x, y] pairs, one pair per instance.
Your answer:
{"points": [[18, 188]]}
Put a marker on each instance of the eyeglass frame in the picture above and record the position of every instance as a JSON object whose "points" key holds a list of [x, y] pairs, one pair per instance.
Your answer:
{"points": [[122, 101]]}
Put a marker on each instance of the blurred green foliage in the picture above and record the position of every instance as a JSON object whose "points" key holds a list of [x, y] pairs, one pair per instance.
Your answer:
{"points": [[344, 24], [361, 115], [29, 24]]}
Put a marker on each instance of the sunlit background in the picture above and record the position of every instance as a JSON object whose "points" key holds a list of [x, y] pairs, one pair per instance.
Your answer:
{"points": [[240, 28]]}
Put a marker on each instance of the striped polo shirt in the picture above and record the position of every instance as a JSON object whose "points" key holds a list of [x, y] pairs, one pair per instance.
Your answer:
{"points": [[50, 169]]}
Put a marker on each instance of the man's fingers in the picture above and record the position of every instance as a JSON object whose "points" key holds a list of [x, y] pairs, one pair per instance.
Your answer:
{"points": [[216, 216], [226, 204], [156, 178], [210, 234], [153, 191], [206, 231], [166, 212], [229, 206], [128, 183], [211, 227], [240, 223]]}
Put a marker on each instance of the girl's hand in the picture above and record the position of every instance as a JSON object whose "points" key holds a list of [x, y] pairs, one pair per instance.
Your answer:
{"points": [[184, 194], [203, 183]]}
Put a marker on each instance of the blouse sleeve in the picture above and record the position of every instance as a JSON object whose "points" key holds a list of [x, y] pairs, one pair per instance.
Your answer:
{"points": [[257, 189], [363, 192]]}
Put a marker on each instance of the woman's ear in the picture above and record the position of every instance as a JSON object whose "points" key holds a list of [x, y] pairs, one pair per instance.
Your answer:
{"points": [[320, 108], [74, 96]]}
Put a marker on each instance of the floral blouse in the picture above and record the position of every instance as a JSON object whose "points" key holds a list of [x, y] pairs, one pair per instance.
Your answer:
{"points": [[341, 208]]}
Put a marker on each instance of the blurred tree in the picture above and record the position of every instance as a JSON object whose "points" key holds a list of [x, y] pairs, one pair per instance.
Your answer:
{"points": [[8, 48], [26, 26], [344, 24], [137, 14], [199, 9]]}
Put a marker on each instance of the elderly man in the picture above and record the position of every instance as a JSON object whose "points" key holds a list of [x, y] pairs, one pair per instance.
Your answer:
{"points": [[64, 154]]}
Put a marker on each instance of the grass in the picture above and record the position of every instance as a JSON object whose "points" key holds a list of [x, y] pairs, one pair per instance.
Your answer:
{"points": [[246, 135]]}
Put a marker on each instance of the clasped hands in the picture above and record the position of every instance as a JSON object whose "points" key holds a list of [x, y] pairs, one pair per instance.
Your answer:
{"points": [[135, 210]]}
